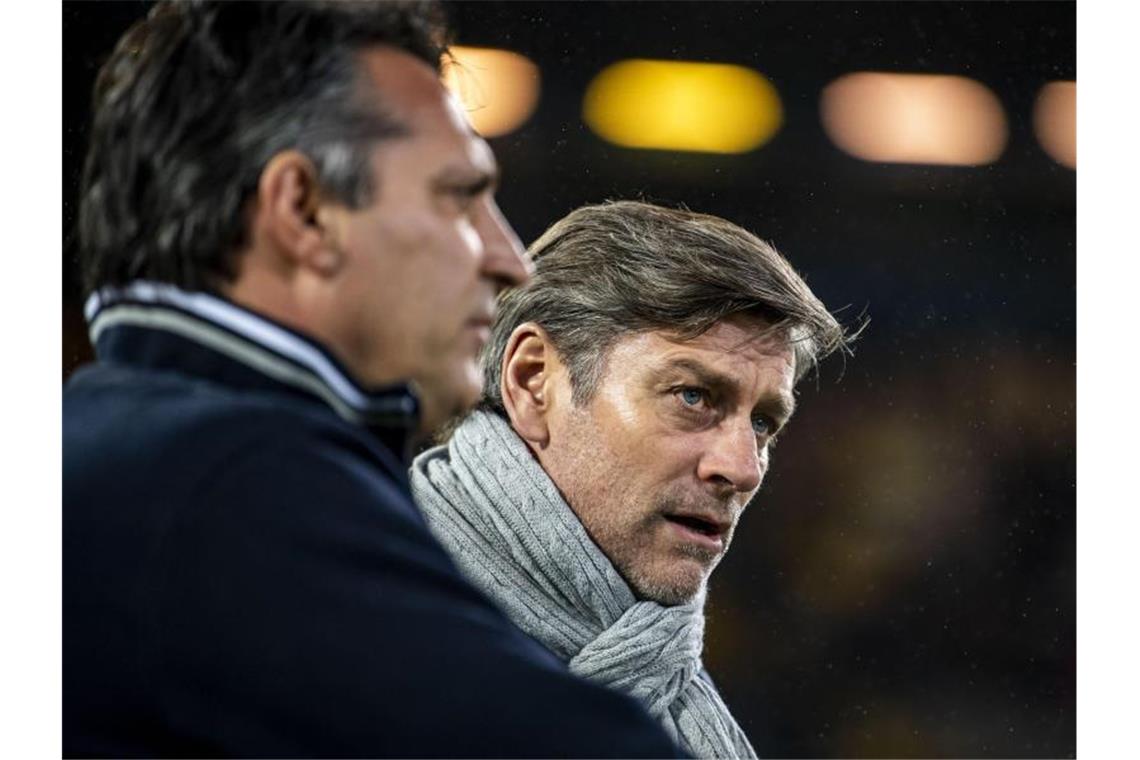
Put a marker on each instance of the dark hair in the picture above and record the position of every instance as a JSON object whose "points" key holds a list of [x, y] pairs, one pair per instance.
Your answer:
{"points": [[199, 96], [610, 270]]}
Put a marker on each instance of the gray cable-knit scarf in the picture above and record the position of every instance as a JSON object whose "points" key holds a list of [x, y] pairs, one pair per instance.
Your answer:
{"points": [[504, 522]]}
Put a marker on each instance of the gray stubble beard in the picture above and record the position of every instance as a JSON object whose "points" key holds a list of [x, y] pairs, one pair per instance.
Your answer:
{"points": [[672, 593]]}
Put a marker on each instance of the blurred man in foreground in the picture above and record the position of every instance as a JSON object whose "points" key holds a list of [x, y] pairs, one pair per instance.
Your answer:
{"points": [[292, 250], [633, 391]]}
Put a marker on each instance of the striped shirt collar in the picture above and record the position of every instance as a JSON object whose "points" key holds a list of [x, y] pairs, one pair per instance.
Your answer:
{"points": [[250, 339]]}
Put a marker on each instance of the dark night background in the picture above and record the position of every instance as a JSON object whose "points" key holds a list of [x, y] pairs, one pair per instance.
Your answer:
{"points": [[905, 582]]}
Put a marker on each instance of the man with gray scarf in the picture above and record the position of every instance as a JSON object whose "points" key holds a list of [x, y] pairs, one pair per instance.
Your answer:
{"points": [[632, 392]]}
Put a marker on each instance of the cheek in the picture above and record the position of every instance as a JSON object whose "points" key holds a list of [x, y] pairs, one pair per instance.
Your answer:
{"points": [[637, 438], [404, 234], [447, 267], [628, 421], [649, 472]]}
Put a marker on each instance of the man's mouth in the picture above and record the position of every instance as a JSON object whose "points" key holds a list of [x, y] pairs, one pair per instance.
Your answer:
{"points": [[481, 326], [705, 531]]}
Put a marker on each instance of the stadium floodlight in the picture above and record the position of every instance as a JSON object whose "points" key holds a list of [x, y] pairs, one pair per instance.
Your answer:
{"points": [[498, 88], [682, 106], [1055, 121], [914, 118]]}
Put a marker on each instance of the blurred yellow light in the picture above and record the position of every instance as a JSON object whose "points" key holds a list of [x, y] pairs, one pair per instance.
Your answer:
{"points": [[498, 88], [914, 118], [678, 105], [1055, 121]]}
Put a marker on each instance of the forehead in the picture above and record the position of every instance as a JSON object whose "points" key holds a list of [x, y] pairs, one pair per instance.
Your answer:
{"points": [[739, 348], [413, 92]]}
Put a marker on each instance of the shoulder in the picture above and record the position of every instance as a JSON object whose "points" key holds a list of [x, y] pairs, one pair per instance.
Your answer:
{"points": [[194, 462], [315, 465], [173, 421]]}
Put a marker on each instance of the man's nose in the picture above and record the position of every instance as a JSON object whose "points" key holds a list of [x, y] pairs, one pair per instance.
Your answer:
{"points": [[732, 458], [504, 258]]}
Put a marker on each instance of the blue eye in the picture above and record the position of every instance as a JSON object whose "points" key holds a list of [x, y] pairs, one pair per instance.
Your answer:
{"points": [[692, 396], [762, 426]]}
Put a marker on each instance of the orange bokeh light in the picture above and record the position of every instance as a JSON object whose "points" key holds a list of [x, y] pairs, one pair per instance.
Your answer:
{"points": [[1055, 121], [498, 88], [914, 118]]}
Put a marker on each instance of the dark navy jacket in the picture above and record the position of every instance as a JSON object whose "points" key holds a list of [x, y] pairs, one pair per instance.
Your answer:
{"points": [[244, 572]]}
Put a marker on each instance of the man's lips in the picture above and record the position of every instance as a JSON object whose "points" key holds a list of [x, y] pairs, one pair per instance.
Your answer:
{"points": [[482, 327], [704, 529]]}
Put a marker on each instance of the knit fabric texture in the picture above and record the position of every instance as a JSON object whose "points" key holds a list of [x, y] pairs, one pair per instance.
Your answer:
{"points": [[490, 503]]}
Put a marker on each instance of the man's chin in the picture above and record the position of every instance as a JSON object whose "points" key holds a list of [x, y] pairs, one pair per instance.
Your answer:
{"points": [[683, 583], [442, 404]]}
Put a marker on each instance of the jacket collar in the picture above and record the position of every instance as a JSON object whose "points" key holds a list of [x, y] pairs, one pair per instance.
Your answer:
{"points": [[163, 327]]}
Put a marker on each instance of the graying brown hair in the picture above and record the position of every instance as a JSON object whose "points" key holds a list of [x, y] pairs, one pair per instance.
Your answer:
{"points": [[199, 96], [623, 267]]}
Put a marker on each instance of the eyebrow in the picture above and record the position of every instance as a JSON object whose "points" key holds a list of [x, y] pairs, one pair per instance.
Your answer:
{"points": [[781, 406]]}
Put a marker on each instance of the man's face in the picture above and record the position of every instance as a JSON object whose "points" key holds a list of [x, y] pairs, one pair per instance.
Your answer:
{"points": [[431, 250], [661, 462]]}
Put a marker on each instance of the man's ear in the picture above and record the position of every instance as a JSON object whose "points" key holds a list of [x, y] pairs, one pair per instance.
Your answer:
{"points": [[527, 386], [289, 205]]}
